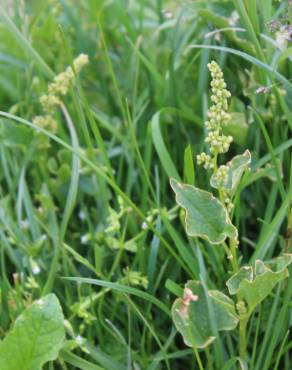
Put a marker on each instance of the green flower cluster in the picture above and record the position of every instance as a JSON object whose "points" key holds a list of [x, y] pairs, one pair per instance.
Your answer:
{"points": [[57, 89], [220, 176], [217, 118], [217, 141], [47, 122], [61, 84], [206, 160], [227, 200]]}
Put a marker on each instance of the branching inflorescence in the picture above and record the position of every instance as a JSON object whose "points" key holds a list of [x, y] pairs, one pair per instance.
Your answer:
{"points": [[217, 142], [217, 118], [56, 91]]}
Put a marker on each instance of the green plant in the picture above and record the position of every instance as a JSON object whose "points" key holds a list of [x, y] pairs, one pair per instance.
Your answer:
{"points": [[201, 313], [86, 211], [37, 336]]}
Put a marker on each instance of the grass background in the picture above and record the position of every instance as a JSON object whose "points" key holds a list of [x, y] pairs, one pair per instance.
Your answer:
{"points": [[94, 200]]}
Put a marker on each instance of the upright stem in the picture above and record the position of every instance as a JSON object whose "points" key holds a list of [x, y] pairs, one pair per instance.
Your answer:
{"points": [[198, 358], [231, 254], [242, 337], [209, 359], [233, 249]]}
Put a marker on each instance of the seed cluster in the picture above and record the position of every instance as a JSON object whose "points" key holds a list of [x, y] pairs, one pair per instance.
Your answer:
{"points": [[206, 160], [218, 143], [56, 90], [217, 118], [46, 122], [241, 308], [220, 176], [227, 200]]}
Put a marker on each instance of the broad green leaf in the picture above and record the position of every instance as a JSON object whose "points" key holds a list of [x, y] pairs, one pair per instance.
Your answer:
{"points": [[16, 136], [246, 272], [235, 170], [36, 337], [192, 318], [253, 284], [224, 301], [205, 217]]}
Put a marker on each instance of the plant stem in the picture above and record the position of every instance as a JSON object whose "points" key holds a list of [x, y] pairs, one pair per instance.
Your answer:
{"points": [[242, 337], [233, 250], [209, 359], [231, 256], [198, 358]]}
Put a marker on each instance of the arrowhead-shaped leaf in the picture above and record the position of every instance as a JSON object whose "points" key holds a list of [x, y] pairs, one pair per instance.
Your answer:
{"points": [[206, 217], [36, 337], [253, 284], [193, 319], [235, 170]]}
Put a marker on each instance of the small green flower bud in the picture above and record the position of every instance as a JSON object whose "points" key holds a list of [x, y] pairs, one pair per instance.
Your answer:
{"points": [[241, 308]]}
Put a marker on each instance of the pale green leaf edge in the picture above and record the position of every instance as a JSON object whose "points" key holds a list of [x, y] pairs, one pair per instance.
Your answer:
{"points": [[254, 276], [218, 297], [212, 198]]}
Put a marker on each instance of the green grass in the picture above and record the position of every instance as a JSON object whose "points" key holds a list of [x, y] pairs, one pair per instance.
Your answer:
{"points": [[133, 119]]}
